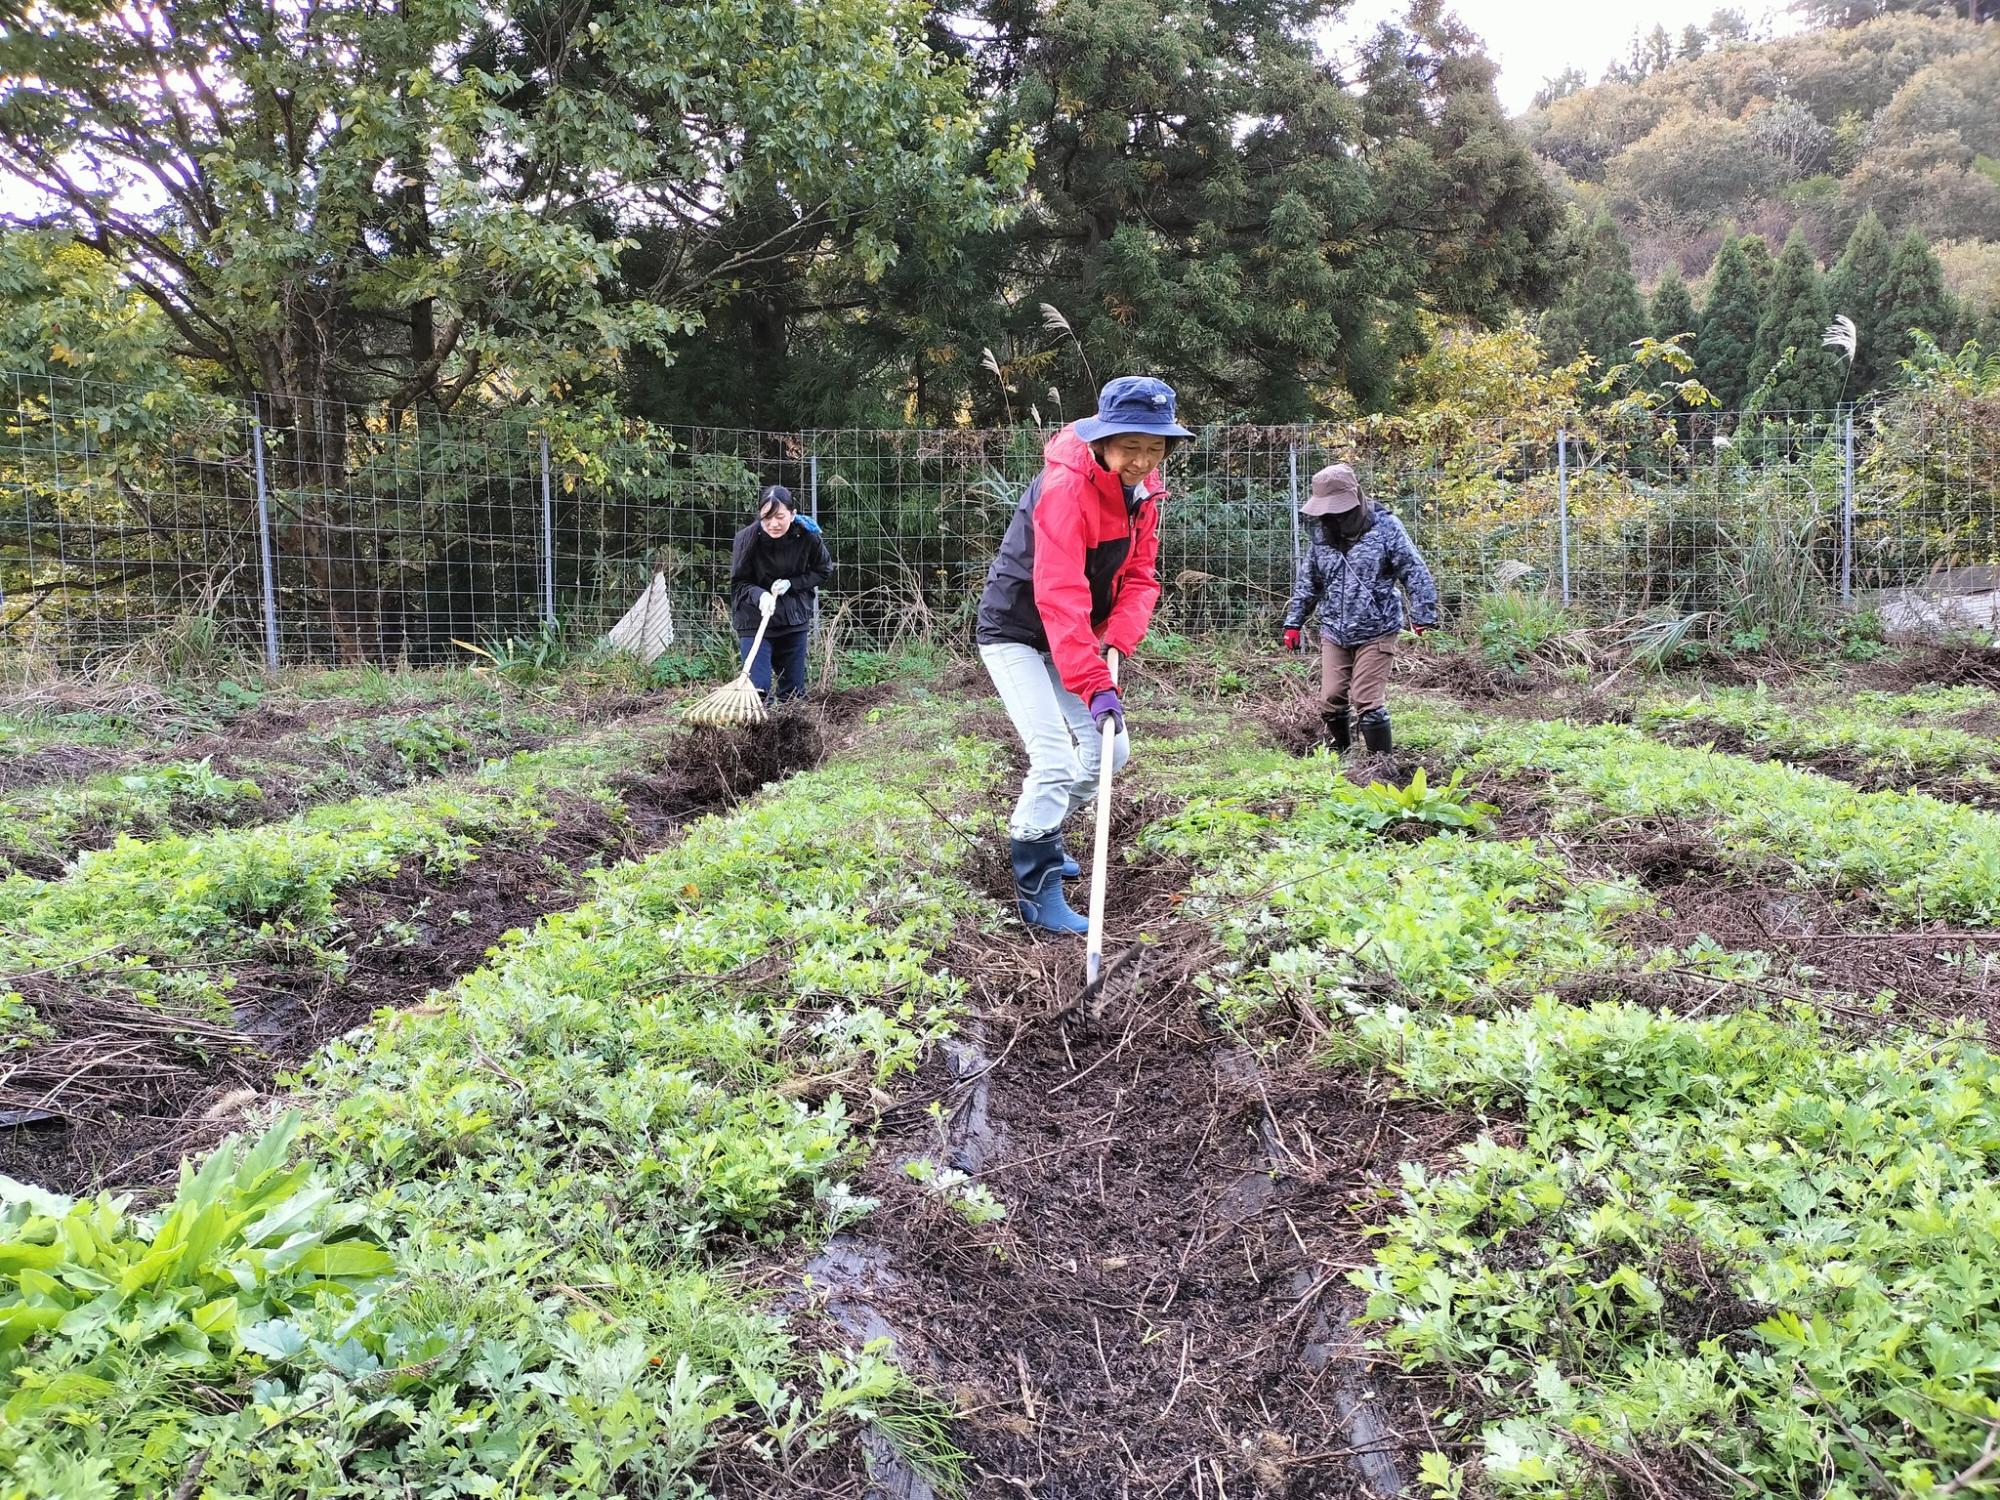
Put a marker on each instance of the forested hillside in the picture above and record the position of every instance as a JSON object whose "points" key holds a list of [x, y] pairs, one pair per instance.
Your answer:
{"points": [[1691, 138]]}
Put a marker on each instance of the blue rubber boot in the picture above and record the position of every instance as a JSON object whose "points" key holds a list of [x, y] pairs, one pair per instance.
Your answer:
{"points": [[1038, 886], [1070, 868]]}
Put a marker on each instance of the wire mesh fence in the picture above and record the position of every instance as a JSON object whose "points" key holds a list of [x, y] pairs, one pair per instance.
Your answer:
{"points": [[351, 535]]}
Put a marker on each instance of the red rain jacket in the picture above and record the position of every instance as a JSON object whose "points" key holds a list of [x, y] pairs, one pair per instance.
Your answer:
{"points": [[1078, 565]]}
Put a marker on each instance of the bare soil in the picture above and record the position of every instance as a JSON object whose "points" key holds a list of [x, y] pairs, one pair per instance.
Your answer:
{"points": [[124, 1092], [1869, 776], [1931, 666], [286, 752], [1164, 1309]]}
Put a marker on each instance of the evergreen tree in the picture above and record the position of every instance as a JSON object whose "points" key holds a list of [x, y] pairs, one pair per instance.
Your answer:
{"points": [[1599, 312], [1672, 310], [1728, 25], [1757, 255], [1211, 198], [1804, 375], [1856, 288], [1914, 297], [1729, 326], [1972, 325], [1657, 49]]}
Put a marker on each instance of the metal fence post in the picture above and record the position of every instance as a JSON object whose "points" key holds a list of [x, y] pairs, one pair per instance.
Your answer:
{"points": [[1562, 506], [548, 542], [1847, 513], [264, 544], [812, 509], [1295, 507]]}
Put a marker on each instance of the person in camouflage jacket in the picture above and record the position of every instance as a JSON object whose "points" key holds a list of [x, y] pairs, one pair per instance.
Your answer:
{"points": [[1359, 565]]}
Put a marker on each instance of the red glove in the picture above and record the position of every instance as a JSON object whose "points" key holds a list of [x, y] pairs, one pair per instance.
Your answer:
{"points": [[1418, 630], [1291, 637]]}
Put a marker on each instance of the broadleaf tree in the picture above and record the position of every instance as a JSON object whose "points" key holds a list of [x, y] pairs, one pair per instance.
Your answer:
{"points": [[429, 204]]}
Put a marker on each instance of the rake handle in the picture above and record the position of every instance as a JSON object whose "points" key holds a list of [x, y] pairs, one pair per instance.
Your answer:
{"points": [[1093, 952], [756, 641]]}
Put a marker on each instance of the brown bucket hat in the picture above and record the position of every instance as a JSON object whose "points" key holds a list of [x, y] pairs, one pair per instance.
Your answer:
{"points": [[1334, 491]]}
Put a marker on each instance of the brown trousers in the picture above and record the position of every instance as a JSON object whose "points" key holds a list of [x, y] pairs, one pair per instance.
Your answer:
{"points": [[1355, 674]]}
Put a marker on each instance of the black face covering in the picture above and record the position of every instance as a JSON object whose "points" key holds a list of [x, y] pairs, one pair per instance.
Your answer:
{"points": [[1343, 528]]}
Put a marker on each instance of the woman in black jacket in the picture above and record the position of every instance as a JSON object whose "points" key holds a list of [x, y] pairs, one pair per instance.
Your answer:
{"points": [[781, 553]]}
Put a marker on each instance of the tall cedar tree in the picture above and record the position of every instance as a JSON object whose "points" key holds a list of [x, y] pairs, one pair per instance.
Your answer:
{"points": [[1729, 326], [1762, 268], [1599, 312], [1914, 297], [1672, 311], [1211, 200], [1855, 288], [1802, 374]]}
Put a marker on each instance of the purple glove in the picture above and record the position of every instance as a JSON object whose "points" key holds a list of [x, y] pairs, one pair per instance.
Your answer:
{"points": [[1104, 705]]}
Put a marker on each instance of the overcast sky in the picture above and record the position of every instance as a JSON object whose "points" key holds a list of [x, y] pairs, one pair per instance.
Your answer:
{"points": [[1536, 39]]}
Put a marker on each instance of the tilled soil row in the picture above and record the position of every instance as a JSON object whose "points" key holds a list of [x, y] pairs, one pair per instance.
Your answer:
{"points": [[1935, 972], [1932, 973], [291, 758], [284, 732], [1164, 1309], [1947, 785], [123, 1092]]}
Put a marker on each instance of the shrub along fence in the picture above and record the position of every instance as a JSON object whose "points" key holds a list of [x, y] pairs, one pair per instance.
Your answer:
{"points": [[386, 535]]}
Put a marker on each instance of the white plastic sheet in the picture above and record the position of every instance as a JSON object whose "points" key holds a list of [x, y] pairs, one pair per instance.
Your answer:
{"points": [[648, 626]]}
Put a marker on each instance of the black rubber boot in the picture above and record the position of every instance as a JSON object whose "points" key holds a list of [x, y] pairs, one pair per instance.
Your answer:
{"points": [[1038, 886], [1380, 763], [1339, 730]]}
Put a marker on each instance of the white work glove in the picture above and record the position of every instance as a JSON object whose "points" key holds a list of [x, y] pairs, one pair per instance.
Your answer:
{"points": [[782, 586], [766, 603]]}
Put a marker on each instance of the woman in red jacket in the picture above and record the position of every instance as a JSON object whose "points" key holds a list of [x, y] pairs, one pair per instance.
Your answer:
{"points": [[1077, 573]]}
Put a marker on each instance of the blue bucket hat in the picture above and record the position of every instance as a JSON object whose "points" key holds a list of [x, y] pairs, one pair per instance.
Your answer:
{"points": [[1133, 403]]}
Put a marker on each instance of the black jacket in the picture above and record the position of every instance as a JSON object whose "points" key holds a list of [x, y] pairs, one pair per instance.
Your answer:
{"points": [[757, 561]]}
